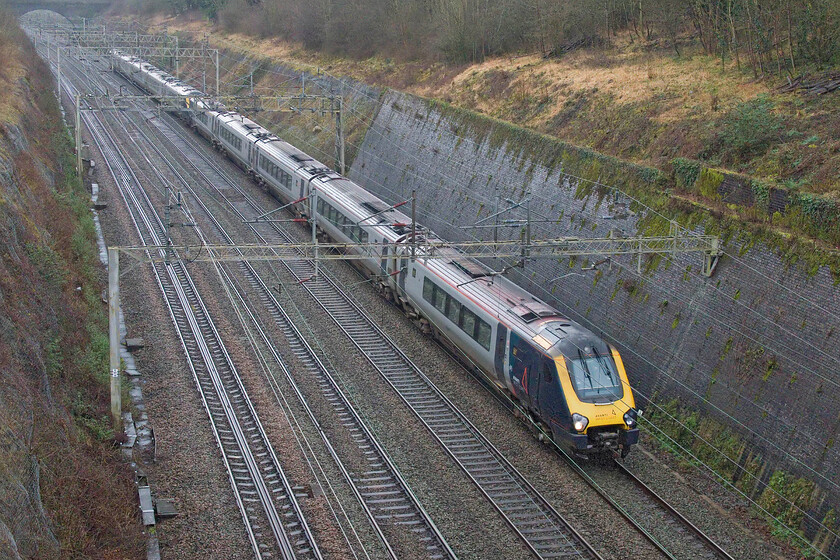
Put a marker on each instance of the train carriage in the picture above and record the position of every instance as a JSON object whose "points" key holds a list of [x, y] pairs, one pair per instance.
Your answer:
{"points": [[564, 377]]}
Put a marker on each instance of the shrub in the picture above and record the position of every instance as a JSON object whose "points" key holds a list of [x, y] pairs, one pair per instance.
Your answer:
{"points": [[686, 172], [749, 128]]}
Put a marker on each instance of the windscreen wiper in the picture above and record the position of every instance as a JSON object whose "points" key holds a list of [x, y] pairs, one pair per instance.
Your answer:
{"points": [[604, 366], [586, 369]]}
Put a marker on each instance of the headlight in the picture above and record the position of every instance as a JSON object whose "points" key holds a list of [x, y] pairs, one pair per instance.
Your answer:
{"points": [[579, 422], [630, 418]]}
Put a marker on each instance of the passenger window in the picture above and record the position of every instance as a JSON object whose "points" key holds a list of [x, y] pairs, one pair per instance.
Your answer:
{"points": [[483, 334], [441, 299], [454, 311], [468, 322], [428, 290]]}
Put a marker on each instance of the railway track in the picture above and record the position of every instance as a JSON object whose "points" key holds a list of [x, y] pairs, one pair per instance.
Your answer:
{"points": [[380, 488], [540, 526], [700, 544], [463, 443], [272, 516], [377, 483]]}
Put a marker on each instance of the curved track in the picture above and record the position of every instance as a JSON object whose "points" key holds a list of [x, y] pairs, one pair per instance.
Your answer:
{"points": [[537, 523], [383, 493], [273, 519], [540, 526]]}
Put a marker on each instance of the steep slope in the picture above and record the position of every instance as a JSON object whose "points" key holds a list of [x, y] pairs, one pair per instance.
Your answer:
{"points": [[63, 489]]}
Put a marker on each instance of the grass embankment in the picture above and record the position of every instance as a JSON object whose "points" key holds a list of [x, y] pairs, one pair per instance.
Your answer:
{"points": [[635, 101], [719, 142], [53, 326]]}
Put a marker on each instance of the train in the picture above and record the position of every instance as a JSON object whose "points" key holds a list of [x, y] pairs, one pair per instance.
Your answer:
{"points": [[570, 383]]}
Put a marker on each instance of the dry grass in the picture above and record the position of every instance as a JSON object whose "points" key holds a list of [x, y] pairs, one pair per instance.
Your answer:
{"points": [[632, 101], [52, 399]]}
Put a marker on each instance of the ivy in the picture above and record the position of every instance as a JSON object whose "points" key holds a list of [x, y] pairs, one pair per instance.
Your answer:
{"points": [[686, 172]]}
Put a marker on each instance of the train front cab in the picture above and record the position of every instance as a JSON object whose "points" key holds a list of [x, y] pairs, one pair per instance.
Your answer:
{"points": [[587, 413]]}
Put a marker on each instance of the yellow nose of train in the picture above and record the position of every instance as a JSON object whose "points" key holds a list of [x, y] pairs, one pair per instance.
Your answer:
{"points": [[600, 426]]}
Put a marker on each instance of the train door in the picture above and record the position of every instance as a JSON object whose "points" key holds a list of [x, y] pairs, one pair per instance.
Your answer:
{"points": [[501, 346], [552, 401], [250, 154], [533, 382], [523, 361]]}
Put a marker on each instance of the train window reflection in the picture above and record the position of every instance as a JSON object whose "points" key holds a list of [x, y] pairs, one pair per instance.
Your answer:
{"points": [[595, 378], [454, 311], [483, 335]]}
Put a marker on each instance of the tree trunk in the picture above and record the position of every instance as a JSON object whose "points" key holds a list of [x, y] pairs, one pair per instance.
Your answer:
{"points": [[790, 39], [734, 42]]}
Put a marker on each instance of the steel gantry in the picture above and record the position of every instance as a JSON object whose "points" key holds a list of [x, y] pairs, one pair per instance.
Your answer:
{"points": [[707, 246], [167, 46], [174, 52]]}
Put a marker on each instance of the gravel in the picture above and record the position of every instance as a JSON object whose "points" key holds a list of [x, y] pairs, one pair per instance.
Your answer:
{"points": [[726, 518], [183, 470]]}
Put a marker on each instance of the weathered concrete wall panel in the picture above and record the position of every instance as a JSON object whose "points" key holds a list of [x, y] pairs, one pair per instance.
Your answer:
{"points": [[756, 346]]}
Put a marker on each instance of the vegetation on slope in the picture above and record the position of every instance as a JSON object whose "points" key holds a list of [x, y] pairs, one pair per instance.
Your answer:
{"points": [[646, 88], [764, 34], [65, 489]]}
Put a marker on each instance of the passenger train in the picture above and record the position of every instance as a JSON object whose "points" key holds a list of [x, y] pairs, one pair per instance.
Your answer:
{"points": [[571, 383]]}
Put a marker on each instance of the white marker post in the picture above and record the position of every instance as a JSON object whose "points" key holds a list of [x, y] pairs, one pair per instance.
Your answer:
{"points": [[114, 334]]}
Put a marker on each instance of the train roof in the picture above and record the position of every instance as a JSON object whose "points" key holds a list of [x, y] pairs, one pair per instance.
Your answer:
{"points": [[509, 303], [177, 86]]}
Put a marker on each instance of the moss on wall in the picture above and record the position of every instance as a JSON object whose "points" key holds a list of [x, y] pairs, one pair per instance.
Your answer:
{"points": [[550, 152], [708, 182], [815, 219], [785, 500]]}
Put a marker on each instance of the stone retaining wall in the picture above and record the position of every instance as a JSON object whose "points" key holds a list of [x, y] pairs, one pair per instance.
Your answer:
{"points": [[756, 347]]}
